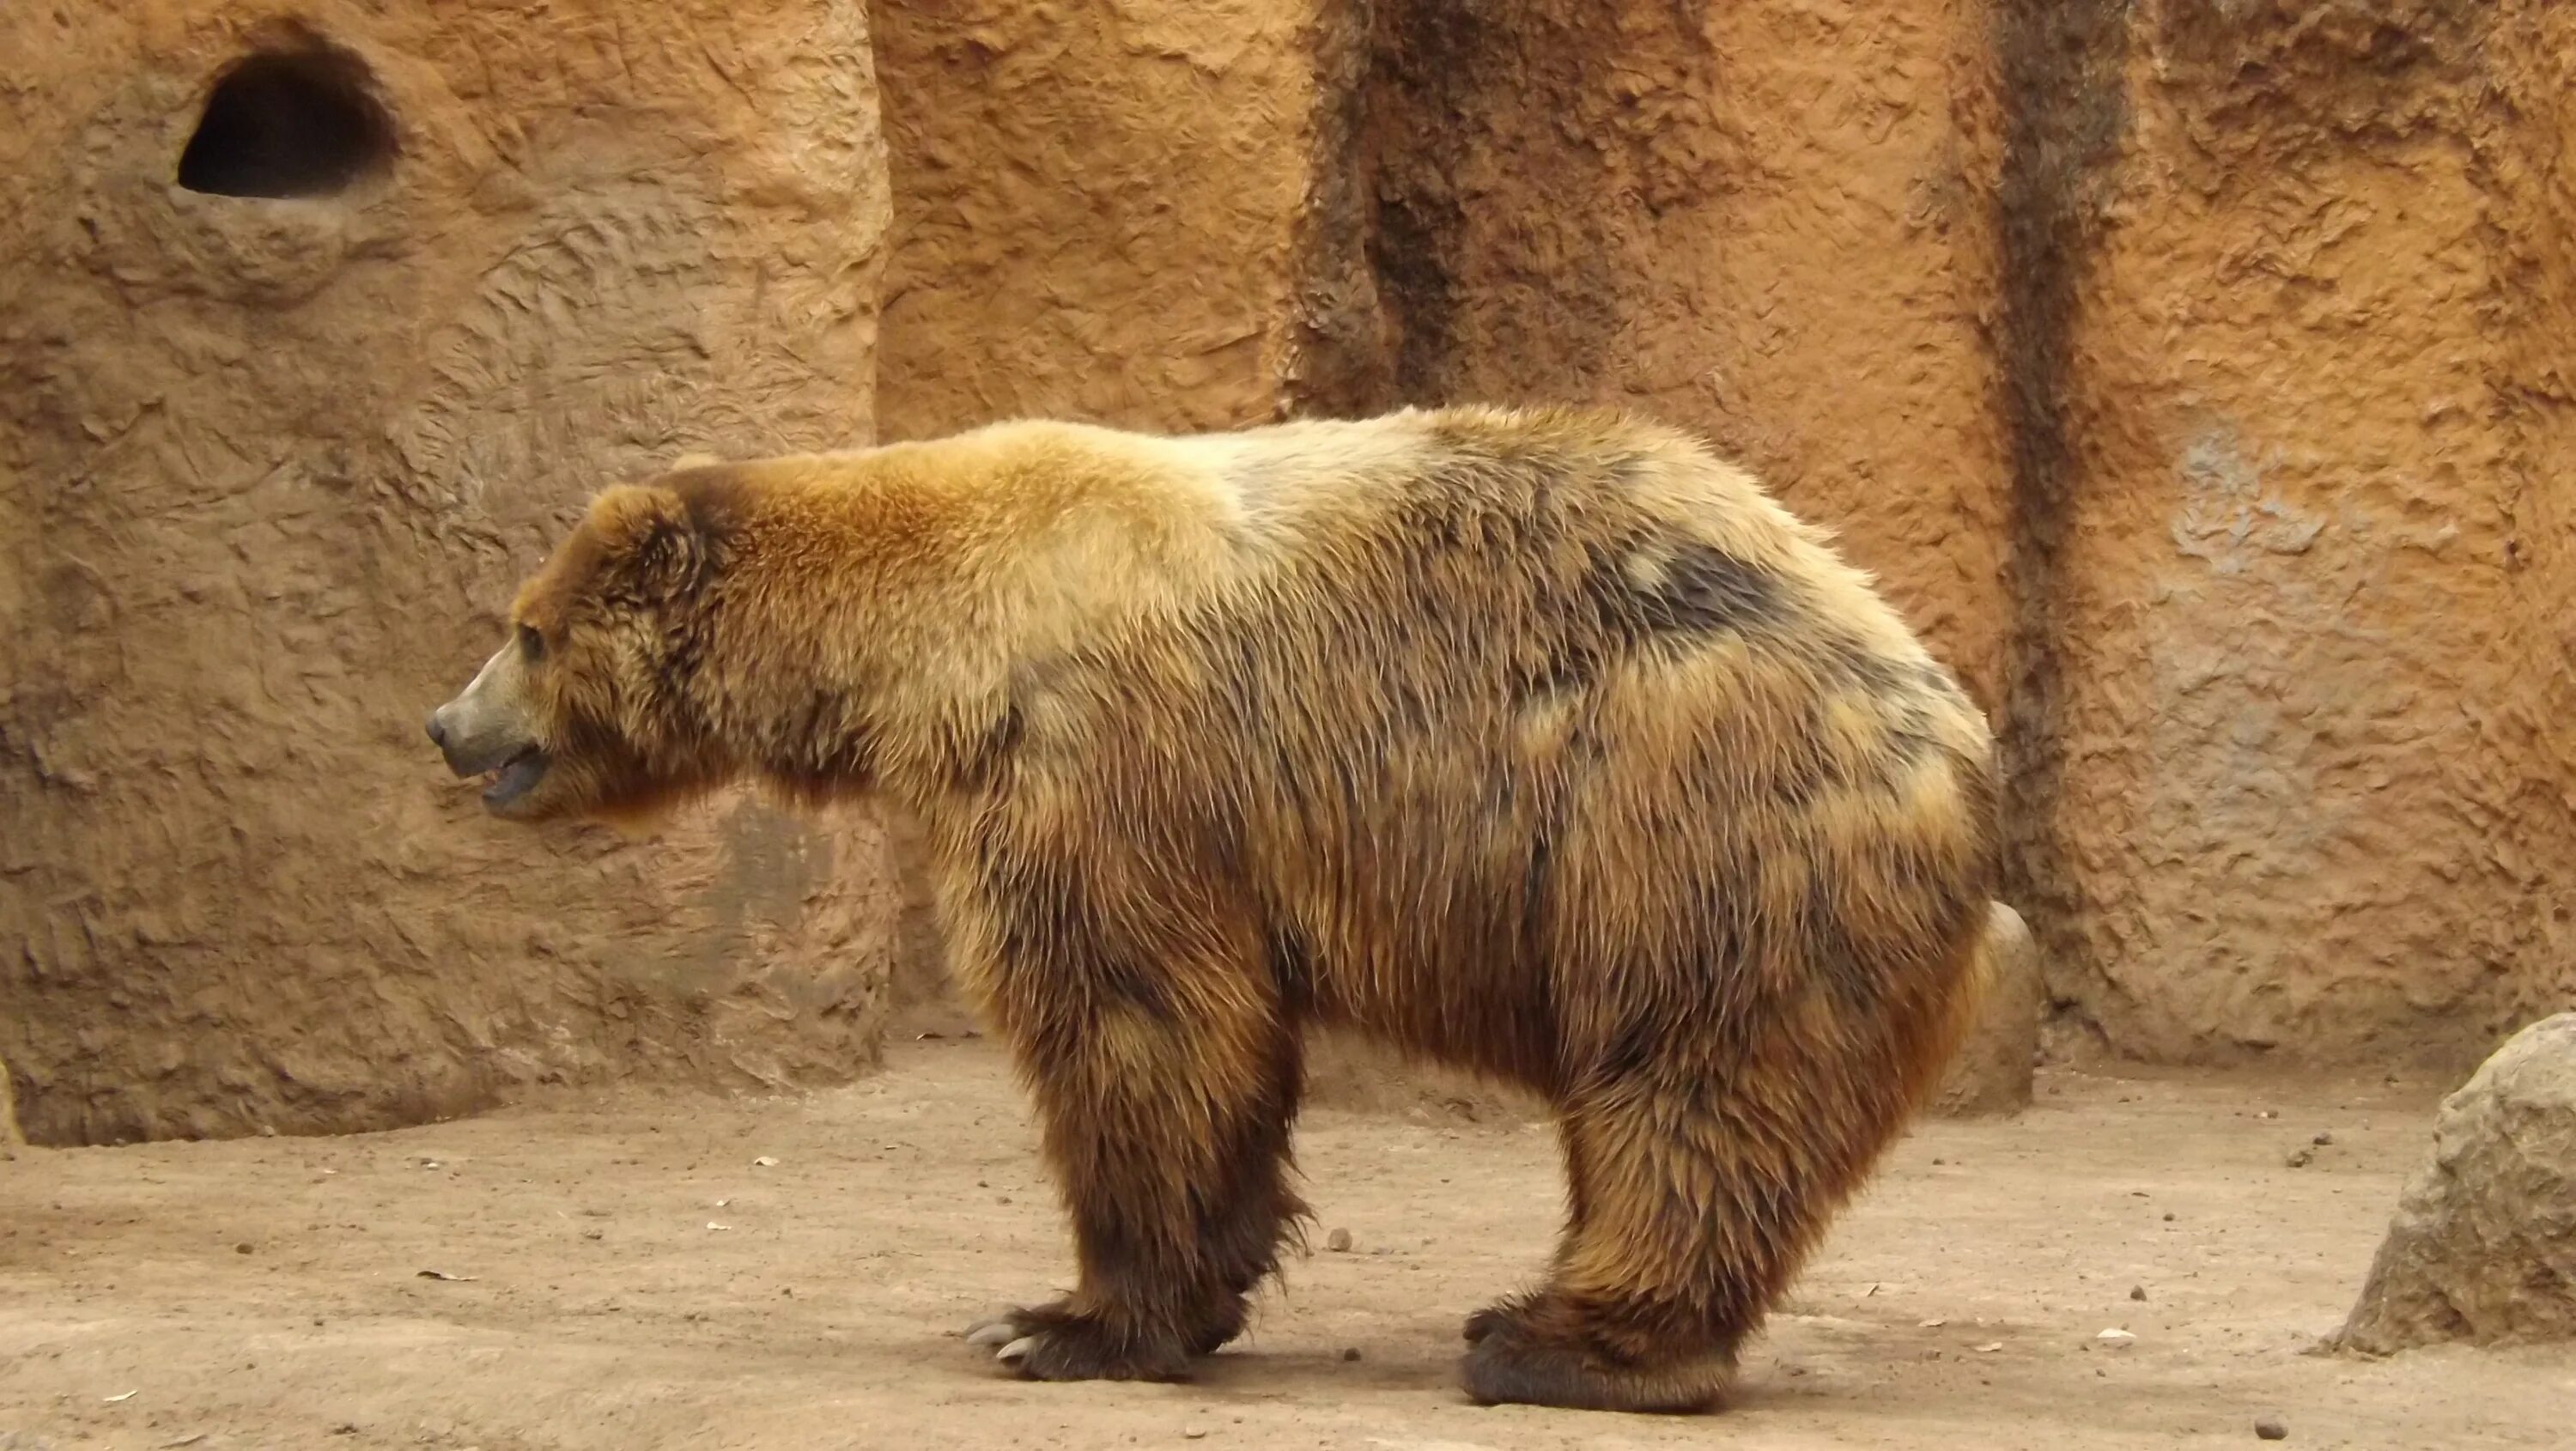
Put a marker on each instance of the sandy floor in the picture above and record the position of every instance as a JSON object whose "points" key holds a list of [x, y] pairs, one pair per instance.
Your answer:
{"points": [[270, 1292]]}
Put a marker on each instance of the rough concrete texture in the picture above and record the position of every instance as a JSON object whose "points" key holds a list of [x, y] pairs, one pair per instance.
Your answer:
{"points": [[1763, 220], [1097, 209], [2287, 321], [269, 470], [1993, 1071], [2483, 1245]]}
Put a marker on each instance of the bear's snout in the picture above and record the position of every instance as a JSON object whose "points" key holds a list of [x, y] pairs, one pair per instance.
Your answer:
{"points": [[486, 726]]}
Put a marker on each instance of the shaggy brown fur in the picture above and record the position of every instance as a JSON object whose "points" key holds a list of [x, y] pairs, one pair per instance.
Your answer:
{"points": [[1540, 743]]}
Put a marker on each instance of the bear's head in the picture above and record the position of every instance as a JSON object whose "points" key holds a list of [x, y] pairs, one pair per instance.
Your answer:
{"points": [[591, 708]]}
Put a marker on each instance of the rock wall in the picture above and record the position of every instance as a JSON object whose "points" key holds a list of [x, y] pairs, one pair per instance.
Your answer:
{"points": [[303, 362], [2301, 782], [1098, 209], [1763, 220]]}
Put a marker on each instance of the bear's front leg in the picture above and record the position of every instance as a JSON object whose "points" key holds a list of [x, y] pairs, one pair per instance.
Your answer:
{"points": [[1165, 1075]]}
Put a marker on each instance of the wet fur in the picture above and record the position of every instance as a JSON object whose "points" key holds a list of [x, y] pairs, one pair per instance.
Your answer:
{"points": [[1540, 743]]}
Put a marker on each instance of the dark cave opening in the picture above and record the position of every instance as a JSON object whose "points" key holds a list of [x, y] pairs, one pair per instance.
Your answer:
{"points": [[301, 123]]}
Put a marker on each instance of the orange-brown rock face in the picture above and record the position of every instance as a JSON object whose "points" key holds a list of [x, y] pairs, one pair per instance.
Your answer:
{"points": [[285, 410], [2302, 637], [1098, 209], [1763, 220]]}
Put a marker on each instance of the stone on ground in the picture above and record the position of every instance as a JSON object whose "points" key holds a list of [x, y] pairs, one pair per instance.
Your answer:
{"points": [[2482, 1249], [1992, 1072]]}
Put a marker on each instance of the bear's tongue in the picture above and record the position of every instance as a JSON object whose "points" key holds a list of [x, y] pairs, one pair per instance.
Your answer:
{"points": [[517, 778]]}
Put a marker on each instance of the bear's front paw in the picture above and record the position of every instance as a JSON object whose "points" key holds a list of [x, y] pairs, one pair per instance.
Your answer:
{"points": [[1508, 1317], [1053, 1343]]}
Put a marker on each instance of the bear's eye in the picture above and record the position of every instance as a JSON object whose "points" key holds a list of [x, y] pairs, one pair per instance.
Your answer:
{"points": [[532, 646]]}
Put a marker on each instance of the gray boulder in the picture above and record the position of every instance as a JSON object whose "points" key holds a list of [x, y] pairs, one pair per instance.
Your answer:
{"points": [[2483, 1246]]}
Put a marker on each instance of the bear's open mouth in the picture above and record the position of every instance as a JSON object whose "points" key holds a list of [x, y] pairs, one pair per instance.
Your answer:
{"points": [[517, 777]]}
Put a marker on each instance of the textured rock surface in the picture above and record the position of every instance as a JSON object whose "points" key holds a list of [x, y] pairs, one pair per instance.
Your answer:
{"points": [[1764, 220], [1098, 209], [269, 469], [2287, 295], [1992, 1072], [2483, 1245]]}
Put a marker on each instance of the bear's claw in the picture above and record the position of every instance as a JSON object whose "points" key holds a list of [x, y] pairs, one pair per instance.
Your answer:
{"points": [[992, 1332], [1049, 1343]]}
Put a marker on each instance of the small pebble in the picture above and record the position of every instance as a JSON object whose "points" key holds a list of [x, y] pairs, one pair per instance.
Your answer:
{"points": [[1194, 1433], [1350, 1352], [2137, 1292], [1339, 1241], [2299, 1158], [2272, 1428], [2323, 1139], [2168, 1216], [593, 1234], [242, 1249]]}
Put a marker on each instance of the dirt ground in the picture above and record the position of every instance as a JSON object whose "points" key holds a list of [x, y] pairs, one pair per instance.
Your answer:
{"points": [[638, 1272]]}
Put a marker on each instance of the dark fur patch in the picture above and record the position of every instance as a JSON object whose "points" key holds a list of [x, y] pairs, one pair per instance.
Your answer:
{"points": [[1848, 662], [1699, 590], [1807, 766], [1292, 964], [1707, 589], [1854, 982], [1631, 1051], [717, 498], [1050, 926], [1535, 896], [989, 762]]}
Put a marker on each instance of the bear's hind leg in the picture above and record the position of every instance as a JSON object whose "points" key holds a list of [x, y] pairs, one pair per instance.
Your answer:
{"points": [[1695, 1197]]}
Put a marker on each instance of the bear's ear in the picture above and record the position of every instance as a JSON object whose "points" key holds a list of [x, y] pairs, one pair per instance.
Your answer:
{"points": [[651, 542]]}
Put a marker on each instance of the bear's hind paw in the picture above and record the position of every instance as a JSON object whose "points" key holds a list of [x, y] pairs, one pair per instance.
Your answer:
{"points": [[1503, 1368]]}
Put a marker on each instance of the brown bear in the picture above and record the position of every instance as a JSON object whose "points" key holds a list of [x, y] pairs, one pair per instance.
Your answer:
{"points": [[1540, 743]]}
